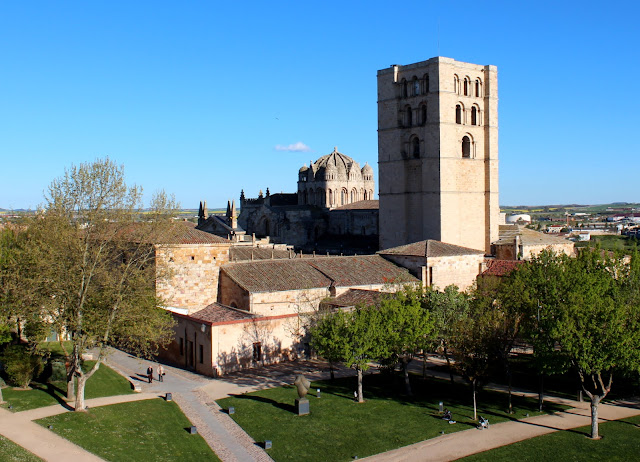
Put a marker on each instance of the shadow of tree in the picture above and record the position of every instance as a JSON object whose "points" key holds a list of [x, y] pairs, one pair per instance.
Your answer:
{"points": [[285, 407]]}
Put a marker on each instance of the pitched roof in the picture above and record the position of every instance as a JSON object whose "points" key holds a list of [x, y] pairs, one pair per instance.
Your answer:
{"points": [[501, 267], [430, 248], [245, 253], [361, 205], [507, 234], [353, 297], [186, 233], [218, 313], [308, 273]]}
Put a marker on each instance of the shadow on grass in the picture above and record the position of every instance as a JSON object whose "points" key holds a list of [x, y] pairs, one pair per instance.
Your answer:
{"points": [[285, 407]]}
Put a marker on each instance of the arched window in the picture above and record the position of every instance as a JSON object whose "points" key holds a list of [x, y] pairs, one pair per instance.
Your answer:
{"points": [[478, 88], [423, 114], [466, 147], [458, 114], [416, 86], [425, 83], [365, 195], [474, 116], [466, 87], [415, 147], [404, 88], [330, 197], [354, 196], [343, 197], [409, 116], [456, 84]]}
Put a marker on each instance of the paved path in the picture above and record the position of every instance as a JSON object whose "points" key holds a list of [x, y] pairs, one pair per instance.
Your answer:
{"points": [[39, 440], [464, 443], [215, 426], [196, 397]]}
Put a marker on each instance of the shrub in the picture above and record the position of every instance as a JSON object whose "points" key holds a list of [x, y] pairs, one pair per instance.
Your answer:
{"points": [[21, 365]]}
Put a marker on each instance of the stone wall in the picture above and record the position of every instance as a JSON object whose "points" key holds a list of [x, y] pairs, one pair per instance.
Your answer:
{"points": [[217, 349], [187, 274], [231, 294]]}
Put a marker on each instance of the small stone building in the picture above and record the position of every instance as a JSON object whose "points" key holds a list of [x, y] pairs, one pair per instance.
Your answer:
{"points": [[520, 243], [188, 264], [438, 264]]}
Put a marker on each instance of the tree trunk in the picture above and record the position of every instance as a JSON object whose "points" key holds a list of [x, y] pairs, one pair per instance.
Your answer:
{"points": [[71, 389], [360, 397], [446, 356], [407, 382], [82, 380], [510, 402], [540, 393], [595, 400], [424, 365], [475, 409]]}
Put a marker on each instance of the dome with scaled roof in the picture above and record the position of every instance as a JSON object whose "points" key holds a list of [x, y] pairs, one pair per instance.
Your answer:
{"points": [[334, 180]]}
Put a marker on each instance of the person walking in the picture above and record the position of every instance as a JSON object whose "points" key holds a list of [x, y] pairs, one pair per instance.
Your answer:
{"points": [[160, 373], [150, 373]]}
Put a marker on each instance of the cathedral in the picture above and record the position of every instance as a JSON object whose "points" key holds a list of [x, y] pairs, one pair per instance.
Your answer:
{"points": [[334, 180], [332, 211]]}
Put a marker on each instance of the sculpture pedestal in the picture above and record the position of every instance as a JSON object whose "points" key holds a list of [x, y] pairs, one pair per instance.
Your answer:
{"points": [[302, 406]]}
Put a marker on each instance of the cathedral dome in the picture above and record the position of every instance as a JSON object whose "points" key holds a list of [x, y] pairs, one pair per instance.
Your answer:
{"points": [[303, 169], [336, 162], [367, 169]]}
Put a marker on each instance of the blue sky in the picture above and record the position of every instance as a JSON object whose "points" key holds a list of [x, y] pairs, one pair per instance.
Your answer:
{"points": [[202, 98]]}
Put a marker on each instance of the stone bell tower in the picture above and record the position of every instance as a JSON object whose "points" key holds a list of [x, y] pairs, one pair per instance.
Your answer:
{"points": [[438, 153]]}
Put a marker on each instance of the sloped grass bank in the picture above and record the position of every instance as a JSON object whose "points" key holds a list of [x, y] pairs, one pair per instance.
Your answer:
{"points": [[338, 428], [140, 430]]}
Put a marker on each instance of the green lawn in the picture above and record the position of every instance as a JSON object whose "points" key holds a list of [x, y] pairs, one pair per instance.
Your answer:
{"points": [[141, 430], [105, 382], [11, 452], [620, 442], [338, 428]]}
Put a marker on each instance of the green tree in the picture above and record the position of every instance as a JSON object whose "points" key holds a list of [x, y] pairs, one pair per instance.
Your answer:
{"points": [[407, 327], [589, 316], [328, 337], [473, 345], [447, 308], [95, 245]]}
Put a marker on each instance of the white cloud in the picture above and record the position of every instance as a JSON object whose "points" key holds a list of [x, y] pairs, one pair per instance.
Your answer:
{"points": [[295, 147]]}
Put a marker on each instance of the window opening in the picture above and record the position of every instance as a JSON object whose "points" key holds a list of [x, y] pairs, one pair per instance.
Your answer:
{"points": [[257, 351], [474, 116], [466, 147], [416, 147], [458, 114]]}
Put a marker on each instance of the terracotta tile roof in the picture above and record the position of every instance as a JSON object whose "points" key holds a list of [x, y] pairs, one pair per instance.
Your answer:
{"points": [[354, 297], [217, 313], [430, 248], [507, 234], [361, 205], [186, 233], [308, 273], [501, 267]]}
